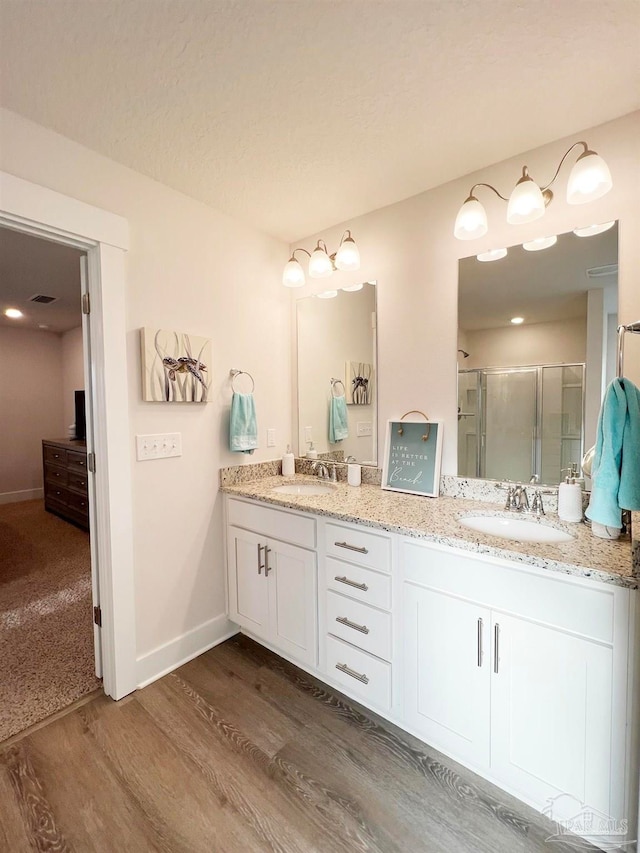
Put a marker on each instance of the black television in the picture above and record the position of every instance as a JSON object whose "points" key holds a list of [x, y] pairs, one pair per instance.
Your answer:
{"points": [[81, 418]]}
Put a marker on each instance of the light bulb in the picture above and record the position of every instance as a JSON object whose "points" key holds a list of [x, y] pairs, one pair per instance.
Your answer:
{"points": [[517, 320], [471, 221], [540, 243], [590, 179], [328, 294], [293, 274], [14, 313], [348, 256], [320, 265], [526, 202], [492, 255], [592, 230]]}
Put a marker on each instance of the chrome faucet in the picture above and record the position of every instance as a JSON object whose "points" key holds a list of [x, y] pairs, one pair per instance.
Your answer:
{"points": [[517, 499], [333, 474], [321, 470], [537, 507]]}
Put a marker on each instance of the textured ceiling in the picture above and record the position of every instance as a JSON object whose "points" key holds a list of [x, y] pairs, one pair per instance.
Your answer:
{"points": [[294, 116]]}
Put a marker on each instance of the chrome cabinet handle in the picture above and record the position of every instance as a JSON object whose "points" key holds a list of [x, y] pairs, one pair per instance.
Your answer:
{"points": [[267, 567], [496, 647], [351, 547], [358, 676], [260, 566], [344, 621], [480, 650], [355, 584]]}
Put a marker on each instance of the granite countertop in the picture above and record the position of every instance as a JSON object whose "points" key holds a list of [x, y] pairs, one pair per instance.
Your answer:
{"points": [[436, 520]]}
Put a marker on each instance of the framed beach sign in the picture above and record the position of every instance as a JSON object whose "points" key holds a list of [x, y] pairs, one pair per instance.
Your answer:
{"points": [[412, 456]]}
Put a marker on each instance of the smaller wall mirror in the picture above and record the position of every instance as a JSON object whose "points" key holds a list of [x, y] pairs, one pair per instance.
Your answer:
{"points": [[337, 356], [529, 392]]}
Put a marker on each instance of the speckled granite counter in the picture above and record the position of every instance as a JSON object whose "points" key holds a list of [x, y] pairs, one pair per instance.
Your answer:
{"points": [[436, 520]]}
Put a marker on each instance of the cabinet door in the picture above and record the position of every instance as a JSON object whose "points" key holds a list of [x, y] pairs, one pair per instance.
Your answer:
{"points": [[293, 601], [447, 677], [248, 584], [551, 716]]}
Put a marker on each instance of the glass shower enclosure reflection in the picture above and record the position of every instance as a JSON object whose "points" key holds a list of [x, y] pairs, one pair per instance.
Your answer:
{"points": [[520, 421]]}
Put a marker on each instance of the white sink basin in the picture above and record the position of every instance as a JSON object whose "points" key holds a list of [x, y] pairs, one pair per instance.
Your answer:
{"points": [[303, 489], [520, 529]]}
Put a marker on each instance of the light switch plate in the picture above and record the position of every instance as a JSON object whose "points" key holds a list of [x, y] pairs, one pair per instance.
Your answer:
{"points": [[364, 428], [308, 434], [159, 446], [271, 437]]}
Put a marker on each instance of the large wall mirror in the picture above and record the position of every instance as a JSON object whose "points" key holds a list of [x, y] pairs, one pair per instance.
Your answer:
{"points": [[537, 343], [337, 359]]}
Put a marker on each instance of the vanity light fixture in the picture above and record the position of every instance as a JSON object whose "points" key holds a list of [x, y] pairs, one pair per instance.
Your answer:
{"points": [[354, 287], [517, 321], [492, 255], [540, 243], [321, 263], [589, 179], [13, 313], [592, 230], [327, 294]]}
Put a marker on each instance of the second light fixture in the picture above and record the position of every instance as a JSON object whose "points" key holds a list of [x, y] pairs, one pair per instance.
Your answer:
{"points": [[321, 263]]}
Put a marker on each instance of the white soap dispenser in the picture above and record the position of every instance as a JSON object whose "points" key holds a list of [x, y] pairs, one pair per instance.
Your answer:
{"points": [[570, 498], [312, 453], [288, 463]]}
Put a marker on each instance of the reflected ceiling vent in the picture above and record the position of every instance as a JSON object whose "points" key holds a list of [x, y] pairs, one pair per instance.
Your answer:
{"points": [[602, 272], [42, 299]]}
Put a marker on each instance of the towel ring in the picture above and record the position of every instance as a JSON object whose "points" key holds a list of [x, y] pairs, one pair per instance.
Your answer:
{"points": [[335, 382], [234, 375], [425, 437]]}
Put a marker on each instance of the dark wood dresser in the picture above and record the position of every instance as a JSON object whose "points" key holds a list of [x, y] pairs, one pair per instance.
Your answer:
{"points": [[65, 479]]}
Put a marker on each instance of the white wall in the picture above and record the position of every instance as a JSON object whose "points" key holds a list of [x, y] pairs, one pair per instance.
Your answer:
{"points": [[410, 249], [72, 372], [518, 346], [30, 407], [195, 270]]}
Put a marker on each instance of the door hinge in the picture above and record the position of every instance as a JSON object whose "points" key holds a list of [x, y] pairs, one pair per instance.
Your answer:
{"points": [[86, 304], [91, 462], [97, 615]]}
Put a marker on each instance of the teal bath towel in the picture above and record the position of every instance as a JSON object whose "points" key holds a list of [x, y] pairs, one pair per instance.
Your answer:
{"points": [[243, 426], [616, 463], [338, 426]]}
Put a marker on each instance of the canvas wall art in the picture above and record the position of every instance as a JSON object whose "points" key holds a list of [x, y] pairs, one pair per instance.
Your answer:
{"points": [[359, 383], [176, 367]]}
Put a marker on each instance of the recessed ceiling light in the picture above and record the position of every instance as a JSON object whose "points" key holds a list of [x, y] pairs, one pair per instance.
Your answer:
{"points": [[492, 255], [353, 287], [540, 243], [592, 230], [14, 313], [42, 326], [328, 294], [517, 320]]}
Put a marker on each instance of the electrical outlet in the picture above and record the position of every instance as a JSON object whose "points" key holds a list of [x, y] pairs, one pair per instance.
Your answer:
{"points": [[308, 435], [160, 446], [364, 428], [271, 438]]}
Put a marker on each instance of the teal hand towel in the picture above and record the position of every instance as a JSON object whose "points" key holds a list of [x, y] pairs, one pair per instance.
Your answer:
{"points": [[616, 463], [338, 425], [243, 426]]}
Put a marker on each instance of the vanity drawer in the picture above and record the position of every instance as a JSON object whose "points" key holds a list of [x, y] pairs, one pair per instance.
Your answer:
{"points": [[361, 674], [286, 526], [358, 545], [365, 627], [357, 582]]}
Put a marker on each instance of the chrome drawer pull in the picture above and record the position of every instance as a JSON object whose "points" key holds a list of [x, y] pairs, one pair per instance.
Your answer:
{"points": [[351, 547], [480, 650], [355, 584], [496, 648], [358, 677], [267, 567], [344, 621], [260, 566]]}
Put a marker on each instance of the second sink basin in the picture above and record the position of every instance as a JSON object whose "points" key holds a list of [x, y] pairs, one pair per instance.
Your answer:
{"points": [[303, 489], [520, 529]]}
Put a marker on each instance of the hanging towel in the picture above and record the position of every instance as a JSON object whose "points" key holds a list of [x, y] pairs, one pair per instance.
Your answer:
{"points": [[243, 426], [338, 428], [616, 463]]}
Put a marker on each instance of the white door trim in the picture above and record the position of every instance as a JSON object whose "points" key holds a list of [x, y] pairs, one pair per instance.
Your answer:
{"points": [[37, 210]]}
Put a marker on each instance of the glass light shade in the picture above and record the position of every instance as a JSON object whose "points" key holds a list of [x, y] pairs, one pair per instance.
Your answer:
{"points": [[320, 265], [492, 255], [540, 243], [13, 313], [590, 179], [353, 287], [471, 221], [348, 256], [293, 274], [592, 230], [328, 294], [526, 202]]}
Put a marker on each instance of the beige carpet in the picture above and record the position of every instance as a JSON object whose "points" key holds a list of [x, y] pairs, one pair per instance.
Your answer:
{"points": [[46, 627]]}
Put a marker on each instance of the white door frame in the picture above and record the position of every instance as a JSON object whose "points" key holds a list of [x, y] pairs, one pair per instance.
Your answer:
{"points": [[104, 236]]}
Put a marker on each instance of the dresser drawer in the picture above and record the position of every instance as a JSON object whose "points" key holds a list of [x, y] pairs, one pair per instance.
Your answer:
{"points": [[57, 455], [55, 475], [55, 493], [286, 526], [79, 503], [358, 582], [346, 542], [359, 673], [76, 461], [359, 624], [77, 482]]}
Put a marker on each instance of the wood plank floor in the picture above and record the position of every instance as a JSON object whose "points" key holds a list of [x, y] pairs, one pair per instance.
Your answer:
{"points": [[239, 750]]}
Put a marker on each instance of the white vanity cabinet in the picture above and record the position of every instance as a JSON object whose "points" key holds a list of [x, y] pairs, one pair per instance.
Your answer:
{"points": [[272, 583]]}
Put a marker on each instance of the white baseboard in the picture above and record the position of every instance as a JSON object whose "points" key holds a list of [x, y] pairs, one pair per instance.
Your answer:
{"points": [[184, 648], [22, 495]]}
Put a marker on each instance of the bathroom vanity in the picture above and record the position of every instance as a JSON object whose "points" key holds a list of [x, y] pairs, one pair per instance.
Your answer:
{"points": [[515, 659]]}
